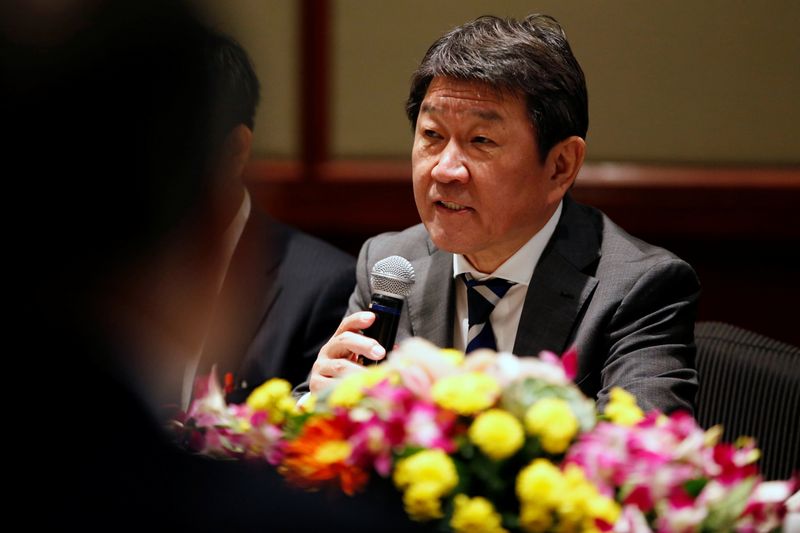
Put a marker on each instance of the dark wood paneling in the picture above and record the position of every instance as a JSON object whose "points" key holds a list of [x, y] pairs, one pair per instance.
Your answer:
{"points": [[668, 202], [315, 45]]}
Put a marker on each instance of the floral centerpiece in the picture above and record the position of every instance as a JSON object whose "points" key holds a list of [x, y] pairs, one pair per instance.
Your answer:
{"points": [[494, 442]]}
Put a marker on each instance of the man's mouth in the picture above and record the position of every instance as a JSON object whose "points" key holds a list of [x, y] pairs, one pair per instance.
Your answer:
{"points": [[451, 205]]}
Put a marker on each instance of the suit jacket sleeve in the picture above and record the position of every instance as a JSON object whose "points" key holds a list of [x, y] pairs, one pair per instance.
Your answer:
{"points": [[326, 313], [651, 339], [358, 301], [360, 297]]}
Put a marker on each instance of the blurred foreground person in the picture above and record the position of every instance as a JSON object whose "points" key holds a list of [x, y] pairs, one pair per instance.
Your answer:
{"points": [[282, 292], [117, 225]]}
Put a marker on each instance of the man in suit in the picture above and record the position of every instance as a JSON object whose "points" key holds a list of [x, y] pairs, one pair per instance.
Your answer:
{"points": [[282, 292], [500, 115]]}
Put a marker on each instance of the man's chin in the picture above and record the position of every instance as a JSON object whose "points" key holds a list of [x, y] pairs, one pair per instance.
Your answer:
{"points": [[447, 243]]}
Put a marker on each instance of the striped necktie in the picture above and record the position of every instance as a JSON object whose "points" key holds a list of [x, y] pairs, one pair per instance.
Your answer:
{"points": [[482, 297]]}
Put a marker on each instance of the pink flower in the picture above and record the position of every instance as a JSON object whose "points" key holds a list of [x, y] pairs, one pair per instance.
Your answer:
{"points": [[641, 497], [568, 361], [506, 368], [373, 442], [735, 463], [766, 507], [429, 427], [632, 521], [420, 364], [390, 397]]}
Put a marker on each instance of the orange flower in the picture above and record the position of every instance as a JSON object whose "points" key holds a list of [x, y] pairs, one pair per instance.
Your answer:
{"points": [[321, 454]]}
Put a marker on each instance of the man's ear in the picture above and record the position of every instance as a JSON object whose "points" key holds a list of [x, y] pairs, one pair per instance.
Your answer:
{"points": [[236, 151], [565, 160]]}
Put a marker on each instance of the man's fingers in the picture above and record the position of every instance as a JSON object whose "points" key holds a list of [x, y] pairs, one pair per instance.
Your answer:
{"points": [[356, 321], [329, 371], [358, 344], [333, 368], [339, 355]]}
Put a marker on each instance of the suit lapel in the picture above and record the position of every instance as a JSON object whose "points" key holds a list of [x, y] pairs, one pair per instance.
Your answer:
{"points": [[561, 284], [431, 302], [250, 288]]}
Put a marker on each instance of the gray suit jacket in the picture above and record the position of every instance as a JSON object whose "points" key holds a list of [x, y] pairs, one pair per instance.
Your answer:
{"points": [[629, 307]]}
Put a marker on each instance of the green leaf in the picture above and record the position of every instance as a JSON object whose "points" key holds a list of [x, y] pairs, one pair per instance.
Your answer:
{"points": [[722, 516], [695, 486], [511, 521], [488, 472], [466, 448], [294, 425], [407, 451], [519, 396]]}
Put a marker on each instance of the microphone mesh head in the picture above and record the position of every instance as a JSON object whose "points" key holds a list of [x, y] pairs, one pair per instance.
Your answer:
{"points": [[392, 275]]}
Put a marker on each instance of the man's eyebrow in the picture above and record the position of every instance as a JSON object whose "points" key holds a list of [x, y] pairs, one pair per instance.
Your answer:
{"points": [[489, 115], [484, 114]]}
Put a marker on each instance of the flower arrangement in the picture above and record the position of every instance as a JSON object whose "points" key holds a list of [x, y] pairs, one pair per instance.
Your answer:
{"points": [[493, 442]]}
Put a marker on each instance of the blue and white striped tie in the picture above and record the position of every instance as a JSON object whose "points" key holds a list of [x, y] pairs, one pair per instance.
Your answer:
{"points": [[482, 297]]}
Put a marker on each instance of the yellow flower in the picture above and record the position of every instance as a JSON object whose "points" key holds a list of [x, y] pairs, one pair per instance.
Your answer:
{"points": [[539, 482], [309, 404], [535, 518], [451, 354], [551, 420], [421, 501], [475, 515], [350, 390], [288, 404], [712, 435], [243, 426], [622, 408], [334, 451], [466, 394], [581, 504], [604, 508], [497, 433], [427, 466], [573, 505], [272, 397]]}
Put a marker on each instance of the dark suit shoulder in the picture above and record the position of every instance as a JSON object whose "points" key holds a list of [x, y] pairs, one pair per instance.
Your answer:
{"points": [[598, 247], [586, 224], [305, 254], [616, 241]]}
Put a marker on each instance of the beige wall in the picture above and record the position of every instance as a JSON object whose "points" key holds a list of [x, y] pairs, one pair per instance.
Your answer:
{"points": [[707, 81], [267, 29]]}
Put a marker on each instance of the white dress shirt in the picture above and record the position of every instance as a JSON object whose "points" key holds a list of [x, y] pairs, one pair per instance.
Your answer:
{"points": [[229, 241], [518, 268]]}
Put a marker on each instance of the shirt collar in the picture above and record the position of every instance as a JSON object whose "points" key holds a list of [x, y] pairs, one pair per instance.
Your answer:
{"points": [[231, 236], [519, 267]]}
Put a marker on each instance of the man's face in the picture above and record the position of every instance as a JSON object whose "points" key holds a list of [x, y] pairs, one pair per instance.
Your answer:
{"points": [[479, 185]]}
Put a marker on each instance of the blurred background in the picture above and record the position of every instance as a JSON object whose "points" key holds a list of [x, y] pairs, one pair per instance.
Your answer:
{"points": [[692, 145]]}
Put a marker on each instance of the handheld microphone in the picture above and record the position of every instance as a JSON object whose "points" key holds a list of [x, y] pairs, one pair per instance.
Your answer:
{"points": [[391, 280]]}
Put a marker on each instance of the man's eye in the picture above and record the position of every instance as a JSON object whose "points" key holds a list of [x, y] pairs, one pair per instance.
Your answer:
{"points": [[431, 134], [482, 140]]}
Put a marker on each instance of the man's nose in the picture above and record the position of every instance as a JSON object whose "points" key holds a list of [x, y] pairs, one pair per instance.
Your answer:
{"points": [[451, 165]]}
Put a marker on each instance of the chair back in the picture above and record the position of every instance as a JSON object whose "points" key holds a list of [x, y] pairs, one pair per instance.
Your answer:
{"points": [[750, 384]]}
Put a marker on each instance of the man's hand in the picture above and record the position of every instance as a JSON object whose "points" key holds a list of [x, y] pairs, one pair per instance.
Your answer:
{"points": [[339, 356]]}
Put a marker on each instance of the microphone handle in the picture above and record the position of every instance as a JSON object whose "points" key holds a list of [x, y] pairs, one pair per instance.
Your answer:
{"points": [[387, 317]]}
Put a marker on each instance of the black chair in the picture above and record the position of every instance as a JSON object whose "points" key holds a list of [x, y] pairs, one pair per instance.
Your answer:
{"points": [[750, 384]]}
